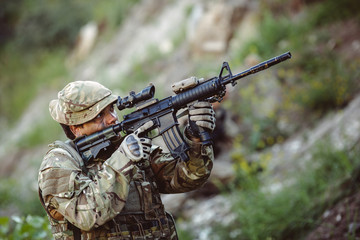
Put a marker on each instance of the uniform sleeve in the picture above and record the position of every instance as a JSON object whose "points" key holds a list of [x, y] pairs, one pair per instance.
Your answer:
{"points": [[175, 176], [84, 202]]}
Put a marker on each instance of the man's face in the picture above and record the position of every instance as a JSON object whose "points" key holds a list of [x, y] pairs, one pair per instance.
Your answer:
{"points": [[104, 119]]}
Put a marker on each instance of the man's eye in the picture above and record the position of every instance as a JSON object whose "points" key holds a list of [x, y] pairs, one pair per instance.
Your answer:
{"points": [[99, 115]]}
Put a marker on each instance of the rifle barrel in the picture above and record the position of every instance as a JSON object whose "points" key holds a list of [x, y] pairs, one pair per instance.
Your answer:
{"points": [[262, 66]]}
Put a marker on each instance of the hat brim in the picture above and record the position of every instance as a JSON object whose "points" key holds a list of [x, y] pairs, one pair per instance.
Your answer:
{"points": [[86, 115]]}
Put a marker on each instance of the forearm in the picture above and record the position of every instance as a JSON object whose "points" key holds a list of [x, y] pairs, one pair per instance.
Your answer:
{"points": [[174, 176], [195, 172]]}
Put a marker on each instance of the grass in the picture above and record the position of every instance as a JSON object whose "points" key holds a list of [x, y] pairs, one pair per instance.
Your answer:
{"points": [[112, 12], [30, 63], [326, 84], [316, 80], [22, 76], [29, 227], [292, 211], [45, 133], [26, 71], [261, 215], [314, 84]]}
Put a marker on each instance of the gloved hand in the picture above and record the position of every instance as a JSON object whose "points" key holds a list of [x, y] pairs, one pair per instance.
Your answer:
{"points": [[146, 145], [201, 114], [135, 148]]}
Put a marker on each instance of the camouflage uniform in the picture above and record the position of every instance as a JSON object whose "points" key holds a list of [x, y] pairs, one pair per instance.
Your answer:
{"points": [[113, 198]]}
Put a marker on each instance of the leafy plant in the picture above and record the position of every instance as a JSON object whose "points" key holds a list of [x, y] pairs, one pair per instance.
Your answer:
{"points": [[112, 12], [14, 196], [41, 134], [46, 30], [22, 74], [316, 80], [331, 10], [29, 227], [49, 24], [326, 83], [294, 209]]}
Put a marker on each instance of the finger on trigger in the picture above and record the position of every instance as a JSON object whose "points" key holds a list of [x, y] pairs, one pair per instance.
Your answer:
{"points": [[144, 127]]}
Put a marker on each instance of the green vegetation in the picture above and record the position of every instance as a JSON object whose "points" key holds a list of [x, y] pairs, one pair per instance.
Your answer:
{"points": [[44, 133], [32, 65], [148, 68], [317, 79], [142, 70], [43, 24], [36, 40], [326, 84], [22, 75], [332, 11], [13, 196], [21, 228], [290, 212]]}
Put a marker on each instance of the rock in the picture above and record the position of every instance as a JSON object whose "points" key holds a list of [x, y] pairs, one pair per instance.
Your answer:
{"points": [[211, 26], [342, 128], [84, 44], [354, 227], [221, 175], [202, 216]]}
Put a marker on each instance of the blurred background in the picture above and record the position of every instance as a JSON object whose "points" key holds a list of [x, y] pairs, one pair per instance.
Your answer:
{"points": [[287, 140]]}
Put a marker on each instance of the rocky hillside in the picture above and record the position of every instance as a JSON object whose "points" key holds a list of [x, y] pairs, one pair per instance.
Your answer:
{"points": [[266, 135]]}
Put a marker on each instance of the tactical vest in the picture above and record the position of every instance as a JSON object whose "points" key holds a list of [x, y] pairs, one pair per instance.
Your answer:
{"points": [[143, 216]]}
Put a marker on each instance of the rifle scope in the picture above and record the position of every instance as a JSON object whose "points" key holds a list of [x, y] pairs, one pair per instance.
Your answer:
{"points": [[134, 98]]}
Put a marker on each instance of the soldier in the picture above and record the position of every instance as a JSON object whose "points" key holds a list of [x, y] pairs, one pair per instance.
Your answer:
{"points": [[117, 197]]}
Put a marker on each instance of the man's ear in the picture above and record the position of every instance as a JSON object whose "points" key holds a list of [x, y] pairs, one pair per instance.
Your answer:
{"points": [[67, 131], [75, 130]]}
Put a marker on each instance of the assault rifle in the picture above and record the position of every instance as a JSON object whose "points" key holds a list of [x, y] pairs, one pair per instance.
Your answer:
{"points": [[163, 112]]}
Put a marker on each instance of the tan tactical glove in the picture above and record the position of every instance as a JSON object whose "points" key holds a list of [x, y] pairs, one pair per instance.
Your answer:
{"points": [[135, 148], [201, 114]]}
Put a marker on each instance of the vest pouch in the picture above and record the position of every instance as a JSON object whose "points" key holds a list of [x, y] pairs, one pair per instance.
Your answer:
{"points": [[147, 197], [153, 207], [133, 202]]}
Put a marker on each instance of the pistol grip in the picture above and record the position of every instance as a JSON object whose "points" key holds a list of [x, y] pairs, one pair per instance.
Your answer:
{"points": [[205, 136], [202, 133]]}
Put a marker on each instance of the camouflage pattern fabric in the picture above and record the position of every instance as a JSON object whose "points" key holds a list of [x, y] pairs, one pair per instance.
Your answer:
{"points": [[79, 102], [116, 199]]}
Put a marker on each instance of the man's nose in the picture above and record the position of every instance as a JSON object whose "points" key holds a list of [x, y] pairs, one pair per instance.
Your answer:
{"points": [[111, 118]]}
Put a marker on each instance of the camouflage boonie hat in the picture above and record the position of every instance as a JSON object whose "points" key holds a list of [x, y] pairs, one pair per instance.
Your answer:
{"points": [[80, 102]]}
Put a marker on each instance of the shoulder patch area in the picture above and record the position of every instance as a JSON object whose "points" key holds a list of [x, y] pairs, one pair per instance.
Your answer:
{"points": [[59, 158]]}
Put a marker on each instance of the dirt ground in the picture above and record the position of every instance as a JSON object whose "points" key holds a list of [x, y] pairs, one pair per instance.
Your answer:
{"points": [[340, 222], [343, 220]]}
